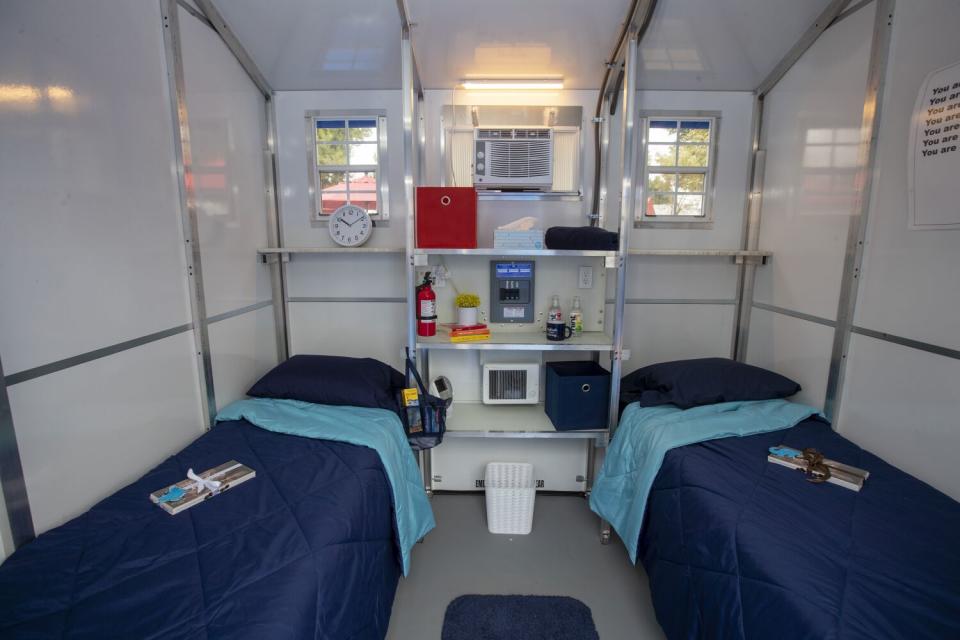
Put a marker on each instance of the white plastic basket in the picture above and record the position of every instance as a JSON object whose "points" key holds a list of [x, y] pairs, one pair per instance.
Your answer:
{"points": [[510, 493]]}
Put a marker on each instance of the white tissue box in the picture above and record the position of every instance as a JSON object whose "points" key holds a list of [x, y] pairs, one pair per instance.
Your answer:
{"points": [[504, 239]]}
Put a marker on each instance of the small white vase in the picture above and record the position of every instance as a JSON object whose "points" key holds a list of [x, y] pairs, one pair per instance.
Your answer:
{"points": [[467, 315]]}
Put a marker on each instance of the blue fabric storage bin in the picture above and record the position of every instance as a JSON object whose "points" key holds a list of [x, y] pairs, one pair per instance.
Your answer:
{"points": [[578, 395]]}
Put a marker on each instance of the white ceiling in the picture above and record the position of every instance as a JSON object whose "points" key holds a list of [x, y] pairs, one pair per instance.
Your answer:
{"points": [[355, 44], [570, 38], [721, 44], [320, 44]]}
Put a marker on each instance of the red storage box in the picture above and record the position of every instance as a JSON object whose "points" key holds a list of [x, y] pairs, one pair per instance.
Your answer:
{"points": [[446, 218]]}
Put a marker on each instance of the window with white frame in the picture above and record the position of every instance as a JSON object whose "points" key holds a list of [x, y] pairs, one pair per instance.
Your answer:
{"points": [[677, 162], [348, 163]]}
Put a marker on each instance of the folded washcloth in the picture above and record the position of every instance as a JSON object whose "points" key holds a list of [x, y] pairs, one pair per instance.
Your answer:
{"points": [[581, 238]]}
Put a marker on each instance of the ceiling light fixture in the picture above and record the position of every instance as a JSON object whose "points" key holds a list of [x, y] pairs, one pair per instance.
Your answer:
{"points": [[516, 84]]}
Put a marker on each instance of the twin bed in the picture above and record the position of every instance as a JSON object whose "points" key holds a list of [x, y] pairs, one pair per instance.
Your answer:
{"points": [[737, 547], [314, 546]]}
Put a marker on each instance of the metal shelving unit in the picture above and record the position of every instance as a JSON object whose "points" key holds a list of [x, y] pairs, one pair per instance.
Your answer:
{"points": [[475, 420], [521, 341], [526, 253]]}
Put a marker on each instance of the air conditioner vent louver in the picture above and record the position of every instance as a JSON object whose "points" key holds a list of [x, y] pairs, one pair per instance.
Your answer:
{"points": [[511, 383], [494, 134], [514, 158], [508, 385]]}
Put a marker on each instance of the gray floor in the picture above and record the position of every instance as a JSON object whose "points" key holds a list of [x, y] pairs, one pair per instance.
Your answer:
{"points": [[562, 556]]}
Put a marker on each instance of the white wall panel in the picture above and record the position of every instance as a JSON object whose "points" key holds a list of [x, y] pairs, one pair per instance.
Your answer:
{"points": [[730, 178], [680, 277], [86, 431], [811, 128], [901, 404], [227, 116], [353, 275], [355, 329], [90, 243], [796, 348], [242, 349], [664, 332], [296, 205], [911, 279]]}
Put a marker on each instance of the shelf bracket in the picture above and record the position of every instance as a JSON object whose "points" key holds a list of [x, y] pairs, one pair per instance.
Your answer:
{"points": [[742, 259]]}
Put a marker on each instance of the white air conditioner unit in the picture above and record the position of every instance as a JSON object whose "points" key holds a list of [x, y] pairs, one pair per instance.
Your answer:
{"points": [[513, 158], [509, 383]]}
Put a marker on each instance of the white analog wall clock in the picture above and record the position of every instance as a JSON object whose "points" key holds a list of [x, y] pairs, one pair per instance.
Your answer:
{"points": [[350, 226]]}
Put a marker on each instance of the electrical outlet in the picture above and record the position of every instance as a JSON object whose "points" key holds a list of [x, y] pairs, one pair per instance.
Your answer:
{"points": [[585, 278]]}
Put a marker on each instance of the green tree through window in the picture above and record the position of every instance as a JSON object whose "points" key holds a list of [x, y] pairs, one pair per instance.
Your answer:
{"points": [[677, 164]]}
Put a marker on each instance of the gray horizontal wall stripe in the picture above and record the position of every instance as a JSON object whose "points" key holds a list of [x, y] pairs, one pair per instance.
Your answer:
{"points": [[239, 312], [96, 354], [719, 301], [907, 342], [345, 299], [795, 314]]}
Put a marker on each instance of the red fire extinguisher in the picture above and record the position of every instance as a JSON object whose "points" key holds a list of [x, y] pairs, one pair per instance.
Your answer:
{"points": [[426, 308]]}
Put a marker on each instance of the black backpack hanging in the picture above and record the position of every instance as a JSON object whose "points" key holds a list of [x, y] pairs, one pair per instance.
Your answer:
{"points": [[432, 410]]}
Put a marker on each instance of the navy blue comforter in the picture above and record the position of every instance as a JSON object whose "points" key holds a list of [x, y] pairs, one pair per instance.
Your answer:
{"points": [[304, 550], [737, 547]]}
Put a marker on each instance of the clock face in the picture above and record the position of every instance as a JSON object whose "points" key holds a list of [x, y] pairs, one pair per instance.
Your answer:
{"points": [[350, 226]]}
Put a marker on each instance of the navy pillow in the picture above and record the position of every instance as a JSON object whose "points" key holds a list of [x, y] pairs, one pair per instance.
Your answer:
{"points": [[334, 380], [692, 383]]}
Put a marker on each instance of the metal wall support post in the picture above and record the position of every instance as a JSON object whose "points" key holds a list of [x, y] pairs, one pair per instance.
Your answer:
{"points": [[857, 228], [410, 163], [628, 154], [591, 466], [11, 474], [278, 268], [604, 161], [750, 239], [188, 202], [751, 218]]}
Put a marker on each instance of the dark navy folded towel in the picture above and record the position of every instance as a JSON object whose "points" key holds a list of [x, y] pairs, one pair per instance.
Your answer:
{"points": [[581, 238]]}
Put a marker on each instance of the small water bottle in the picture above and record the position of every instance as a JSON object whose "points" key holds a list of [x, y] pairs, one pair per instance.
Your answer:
{"points": [[557, 329], [576, 317], [555, 313]]}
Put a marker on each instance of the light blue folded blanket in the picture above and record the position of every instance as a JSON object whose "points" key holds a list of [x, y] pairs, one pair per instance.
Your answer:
{"points": [[378, 429], [644, 437]]}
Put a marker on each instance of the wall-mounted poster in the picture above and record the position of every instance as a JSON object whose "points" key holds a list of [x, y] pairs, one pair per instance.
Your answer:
{"points": [[934, 164]]}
